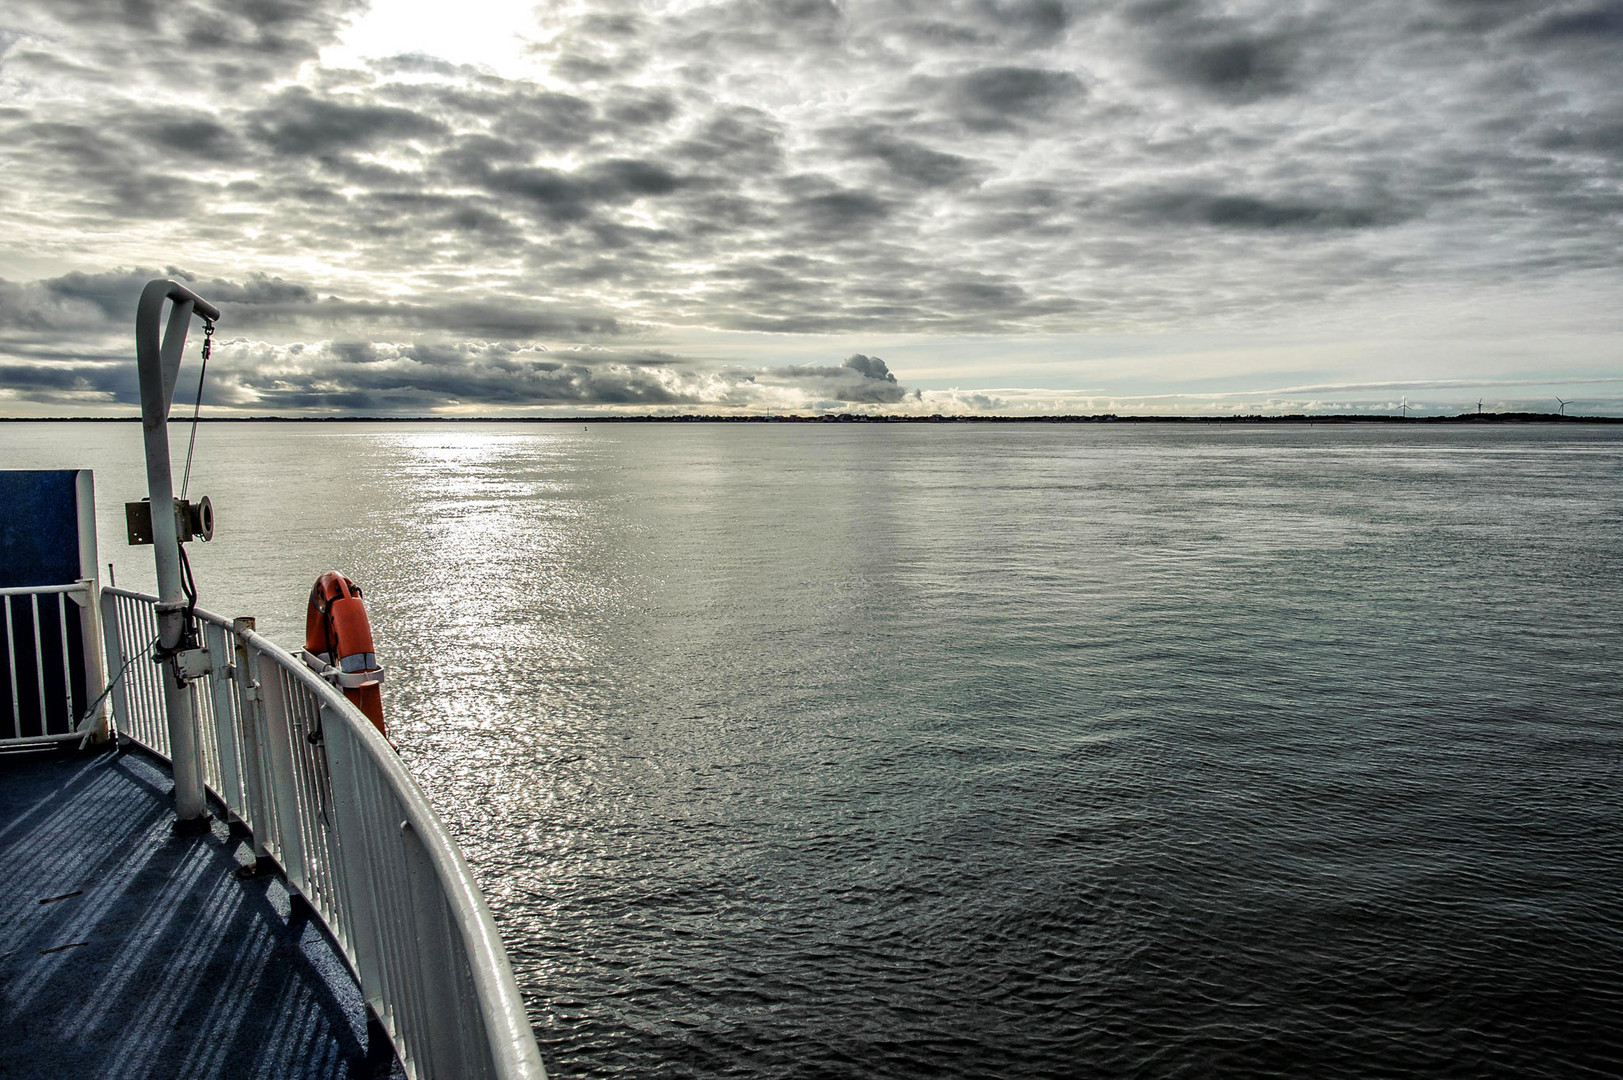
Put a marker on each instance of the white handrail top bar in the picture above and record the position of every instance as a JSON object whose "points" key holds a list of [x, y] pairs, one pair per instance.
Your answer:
{"points": [[44, 590]]}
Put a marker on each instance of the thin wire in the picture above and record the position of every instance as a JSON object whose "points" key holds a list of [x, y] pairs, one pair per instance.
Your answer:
{"points": [[134, 656], [197, 406]]}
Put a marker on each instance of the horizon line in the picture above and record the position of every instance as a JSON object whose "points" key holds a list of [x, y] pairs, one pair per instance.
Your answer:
{"points": [[869, 418]]}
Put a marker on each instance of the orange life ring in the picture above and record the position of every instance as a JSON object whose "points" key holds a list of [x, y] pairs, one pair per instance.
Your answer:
{"points": [[337, 633]]}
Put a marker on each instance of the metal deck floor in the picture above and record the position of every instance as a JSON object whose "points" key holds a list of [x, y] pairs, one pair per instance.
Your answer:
{"points": [[128, 951]]}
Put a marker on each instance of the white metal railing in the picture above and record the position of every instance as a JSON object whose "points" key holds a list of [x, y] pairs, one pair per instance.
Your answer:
{"points": [[51, 660], [326, 797]]}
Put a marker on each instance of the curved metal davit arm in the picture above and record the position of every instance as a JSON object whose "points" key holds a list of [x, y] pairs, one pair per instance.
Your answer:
{"points": [[158, 363], [507, 1027]]}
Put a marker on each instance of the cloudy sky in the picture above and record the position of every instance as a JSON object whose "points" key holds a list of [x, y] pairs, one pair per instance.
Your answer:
{"points": [[1014, 206]]}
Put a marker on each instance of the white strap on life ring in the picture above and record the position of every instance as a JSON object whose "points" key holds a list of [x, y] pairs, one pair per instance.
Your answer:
{"points": [[321, 664]]}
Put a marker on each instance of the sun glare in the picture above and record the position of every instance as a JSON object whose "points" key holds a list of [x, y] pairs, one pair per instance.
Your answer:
{"points": [[483, 32]]}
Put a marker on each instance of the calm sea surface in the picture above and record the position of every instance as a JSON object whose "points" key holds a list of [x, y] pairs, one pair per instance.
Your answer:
{"points": [[1037, 751]]}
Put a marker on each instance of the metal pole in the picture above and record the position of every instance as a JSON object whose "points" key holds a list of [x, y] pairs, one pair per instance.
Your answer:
{"points": [[158, 364], [90, 617], [251, 714]]}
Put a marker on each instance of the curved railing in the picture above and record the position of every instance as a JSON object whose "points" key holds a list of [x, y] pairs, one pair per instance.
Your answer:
{"points": [[326, 797]]}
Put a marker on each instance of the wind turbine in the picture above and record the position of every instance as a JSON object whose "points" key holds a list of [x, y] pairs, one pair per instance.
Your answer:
{"points": [[1479, 406], [1564, 404], [1405, 406]]}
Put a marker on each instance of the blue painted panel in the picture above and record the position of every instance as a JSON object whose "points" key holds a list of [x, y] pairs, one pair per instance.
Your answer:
{"points": [[39, 528]]}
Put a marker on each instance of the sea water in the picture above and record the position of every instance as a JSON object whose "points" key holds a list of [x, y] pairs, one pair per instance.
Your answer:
{"points": [[985, 750]]}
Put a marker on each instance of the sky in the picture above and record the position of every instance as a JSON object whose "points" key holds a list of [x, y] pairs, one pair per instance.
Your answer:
{"points": [[773, 206]]}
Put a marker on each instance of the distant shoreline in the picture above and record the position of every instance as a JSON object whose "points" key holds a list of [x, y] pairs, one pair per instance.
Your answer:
{"points": [[853, 418]]}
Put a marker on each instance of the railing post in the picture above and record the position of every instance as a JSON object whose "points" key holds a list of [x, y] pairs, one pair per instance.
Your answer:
{"points": [[251, 712], [84, 484], [115, 659], [95, 664], [436, 970], [183, 758], [11, 661], [283, 780], [354, 865], [221, 673]]}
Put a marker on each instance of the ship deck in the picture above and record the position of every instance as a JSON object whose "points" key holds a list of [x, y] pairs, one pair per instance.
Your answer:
{"points": [[129, 951]]}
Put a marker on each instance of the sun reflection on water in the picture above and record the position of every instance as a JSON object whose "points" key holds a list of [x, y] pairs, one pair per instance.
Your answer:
{"points": [[501, 582]]}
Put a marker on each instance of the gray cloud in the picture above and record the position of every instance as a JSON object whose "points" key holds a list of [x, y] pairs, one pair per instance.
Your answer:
{"points": [[907, 161], [1004, 97], [1250, 212], [840, 212], [869, 367], [1203, 48], [1602, 22], [103, 303], [1236, 67], [182, 41], [507, 366], [859, 380], [565, 196], [298, 122]]}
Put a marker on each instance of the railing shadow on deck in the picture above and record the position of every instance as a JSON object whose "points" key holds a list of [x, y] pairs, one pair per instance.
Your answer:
{"points": [[128, 950]]}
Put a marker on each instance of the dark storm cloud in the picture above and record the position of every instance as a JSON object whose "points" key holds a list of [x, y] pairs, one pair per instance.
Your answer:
{"points": [[428, 376], [566, 196], [859, 380], [1585, 136], [419, 376], [869, 367], [184, 41], [734, 139], [551, 120], [1033, 21], [1014, 90], [97, 304], [503, 365], [629, 108], [382, 377], [907, 161], [489, 318], [198, 135], [1251, 212], [983, 295], [1003, 98], [37, 377], [70, 385], [1197, 46], [1478, 16], [840, 213], [1602, 22], [1024, 24], [98, 301], [1235, 67], [298, 122]]}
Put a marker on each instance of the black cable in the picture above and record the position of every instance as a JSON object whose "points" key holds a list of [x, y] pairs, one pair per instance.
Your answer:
{"points": [[188, 585]]}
